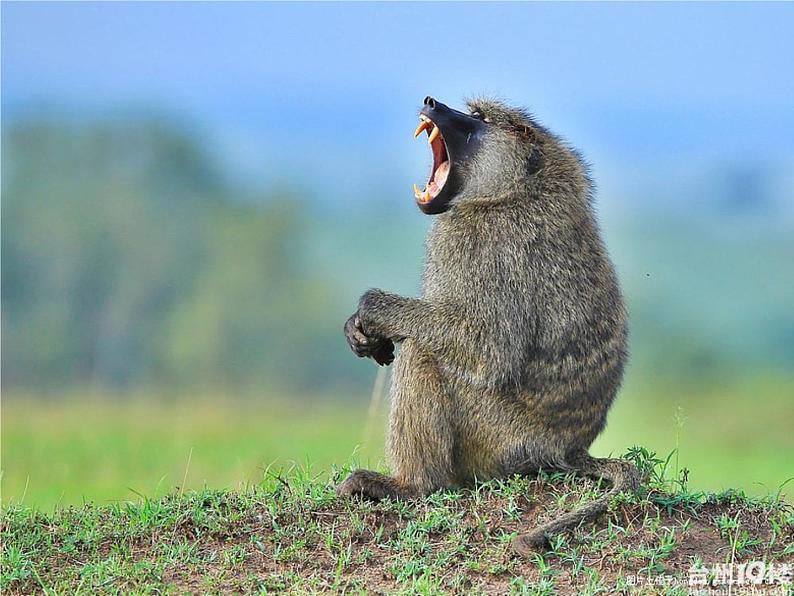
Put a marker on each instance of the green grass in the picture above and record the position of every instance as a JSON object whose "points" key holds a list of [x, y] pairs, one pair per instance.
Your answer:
{"points": [[288, 532], [729, 434], [76, 449], [80, 448]]}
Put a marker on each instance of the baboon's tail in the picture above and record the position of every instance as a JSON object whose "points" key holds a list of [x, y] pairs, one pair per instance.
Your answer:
{"points": [[623, 475]]}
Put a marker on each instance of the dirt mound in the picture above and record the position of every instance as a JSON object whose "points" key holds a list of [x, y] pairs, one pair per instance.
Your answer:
{"points": [[292, 534]]}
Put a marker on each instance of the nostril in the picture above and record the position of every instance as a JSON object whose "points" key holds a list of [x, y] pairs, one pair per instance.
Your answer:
{"points": [[429, 101]]}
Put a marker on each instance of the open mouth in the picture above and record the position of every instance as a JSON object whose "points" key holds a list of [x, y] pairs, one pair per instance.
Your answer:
{"points": [[441, 165]]}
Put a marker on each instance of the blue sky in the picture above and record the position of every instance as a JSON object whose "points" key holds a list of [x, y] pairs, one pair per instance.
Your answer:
{"points": [[319, 82]]}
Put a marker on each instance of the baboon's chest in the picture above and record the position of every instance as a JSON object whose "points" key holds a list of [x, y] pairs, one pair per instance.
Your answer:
{"points": [[453, 266], [474, 262]]}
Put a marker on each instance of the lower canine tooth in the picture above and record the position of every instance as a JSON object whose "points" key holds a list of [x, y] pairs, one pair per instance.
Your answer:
{"points": [[434, 135]]}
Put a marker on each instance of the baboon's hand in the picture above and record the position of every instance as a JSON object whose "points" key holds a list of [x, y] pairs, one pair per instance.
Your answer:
{"points": [[380, 349]]}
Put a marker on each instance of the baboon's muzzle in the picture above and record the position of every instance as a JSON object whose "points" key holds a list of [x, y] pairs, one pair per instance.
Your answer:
{"points": [[454, 138]]}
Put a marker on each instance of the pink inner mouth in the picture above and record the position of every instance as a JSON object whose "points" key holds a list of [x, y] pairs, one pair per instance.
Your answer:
{"points": [[440, 171]]}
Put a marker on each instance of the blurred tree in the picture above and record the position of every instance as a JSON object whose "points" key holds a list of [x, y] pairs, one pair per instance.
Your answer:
{"points": [[126, 260]]}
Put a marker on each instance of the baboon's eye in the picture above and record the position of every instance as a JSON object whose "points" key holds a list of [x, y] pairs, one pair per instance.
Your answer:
{"points": [[477, 115]]}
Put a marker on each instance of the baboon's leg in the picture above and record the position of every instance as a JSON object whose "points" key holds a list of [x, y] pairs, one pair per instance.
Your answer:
{"points": [[421, 435], [421, 425], [623, 476]]}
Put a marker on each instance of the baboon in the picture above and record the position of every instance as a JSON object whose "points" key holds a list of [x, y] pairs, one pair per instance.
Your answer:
{"points": [[513, 354]]}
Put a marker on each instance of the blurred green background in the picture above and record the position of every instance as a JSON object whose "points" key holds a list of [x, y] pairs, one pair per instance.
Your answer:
{"points": [[195, 195]]}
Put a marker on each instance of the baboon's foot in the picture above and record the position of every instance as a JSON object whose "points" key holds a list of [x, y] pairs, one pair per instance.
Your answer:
{"points": [[370, 485], [525, 545]]}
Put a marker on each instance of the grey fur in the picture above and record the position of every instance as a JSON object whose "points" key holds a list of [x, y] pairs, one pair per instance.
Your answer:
{"points": [[515, 350]]}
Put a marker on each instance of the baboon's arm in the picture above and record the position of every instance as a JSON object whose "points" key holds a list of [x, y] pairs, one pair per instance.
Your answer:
{"points": [[481, 336], [487, 346], [398, 317]]}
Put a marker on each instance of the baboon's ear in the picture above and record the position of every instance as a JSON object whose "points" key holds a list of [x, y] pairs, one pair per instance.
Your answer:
{"points": [[534, 161]]}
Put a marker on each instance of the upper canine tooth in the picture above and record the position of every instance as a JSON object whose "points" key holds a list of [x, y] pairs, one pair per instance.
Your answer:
{"points": [[434, 135], [422, 125]]}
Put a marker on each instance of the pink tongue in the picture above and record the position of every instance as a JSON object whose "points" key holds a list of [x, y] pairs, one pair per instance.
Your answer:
{"points": [[440, 177]]}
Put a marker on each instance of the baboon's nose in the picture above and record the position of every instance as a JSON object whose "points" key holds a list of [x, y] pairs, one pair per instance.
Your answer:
{"points": [[429, 101]]}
